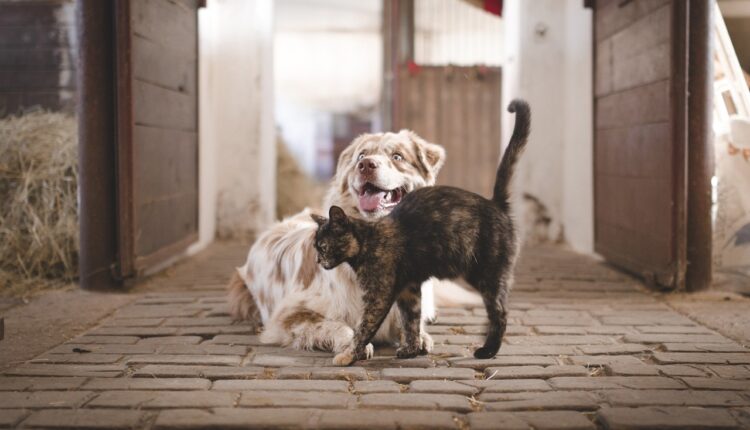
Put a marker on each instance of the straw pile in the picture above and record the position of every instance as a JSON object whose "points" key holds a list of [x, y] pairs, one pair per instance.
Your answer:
{"points": [[295, 190], [38, 201]]}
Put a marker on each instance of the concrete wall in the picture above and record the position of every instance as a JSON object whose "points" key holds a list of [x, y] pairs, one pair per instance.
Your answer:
{"points": [[548, 47], [237, 138]]}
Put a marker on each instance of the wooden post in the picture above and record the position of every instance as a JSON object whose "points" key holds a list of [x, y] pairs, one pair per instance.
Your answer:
{"points": [[96, 132], [700, 147]]}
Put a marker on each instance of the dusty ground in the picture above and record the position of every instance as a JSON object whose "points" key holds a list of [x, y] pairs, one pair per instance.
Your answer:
{"points": [[587, 347]]}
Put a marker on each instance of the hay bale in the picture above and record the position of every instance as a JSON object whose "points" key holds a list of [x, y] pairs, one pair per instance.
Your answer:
{"points": [[38, 200], [295, 190]]}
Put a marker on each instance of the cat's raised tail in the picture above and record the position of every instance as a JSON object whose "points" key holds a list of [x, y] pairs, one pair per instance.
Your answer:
{"points": [[513, 151]]}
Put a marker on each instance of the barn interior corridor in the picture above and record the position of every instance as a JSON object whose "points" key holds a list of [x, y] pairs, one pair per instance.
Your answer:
{"points": [[587, 347]]}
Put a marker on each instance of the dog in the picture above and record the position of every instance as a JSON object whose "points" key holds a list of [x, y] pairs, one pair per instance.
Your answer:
{"points": [[282, 288]]}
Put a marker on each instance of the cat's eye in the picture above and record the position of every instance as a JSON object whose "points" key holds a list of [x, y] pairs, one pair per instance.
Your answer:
{"points": [[360, 156], [398, 157]]}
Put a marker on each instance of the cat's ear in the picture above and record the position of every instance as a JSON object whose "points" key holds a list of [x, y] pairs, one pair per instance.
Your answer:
{"points": [[337, 215], [320, 220]]}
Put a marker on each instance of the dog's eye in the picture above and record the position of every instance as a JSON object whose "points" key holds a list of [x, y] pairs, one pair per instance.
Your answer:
{"points": [[398, 157], [360, 156]]}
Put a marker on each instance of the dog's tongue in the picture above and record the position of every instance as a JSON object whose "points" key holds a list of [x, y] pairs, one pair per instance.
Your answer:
{"points": [[370, 200]]}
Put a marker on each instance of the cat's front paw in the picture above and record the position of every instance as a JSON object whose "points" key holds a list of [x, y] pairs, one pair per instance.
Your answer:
{"points": [[425, 343], [407, 352]]}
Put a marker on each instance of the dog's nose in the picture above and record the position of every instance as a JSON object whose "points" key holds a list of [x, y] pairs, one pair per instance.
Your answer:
{"points": [[367, 165]]}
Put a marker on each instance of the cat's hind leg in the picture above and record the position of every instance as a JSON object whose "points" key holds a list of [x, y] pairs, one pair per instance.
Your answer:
{"points": [[494, 293]]}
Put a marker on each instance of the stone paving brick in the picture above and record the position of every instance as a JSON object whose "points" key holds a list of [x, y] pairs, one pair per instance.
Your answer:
{"points": [[742, 415], [343, 373], [540, 420], [666, 418], [85, 418], [405, 401], [510, 385], [17, 383], [609, 329], [133, 322], [676, 338], [226, 418], [280, 385], [222, 360], [78, 348], [614, 382], [447, 387], [198, 321], [151, 311], [280, 360], [298, 399], [717, 384], [134, 331], [704, 347], [83, 370], [680, 370], [603, 360], [370, 419], [124, 340], [204, 349], [11, 417], [461, 320], [147, 384], [697, 357], [532, 372], [559, 340], [235, 339], [549, 400], [407, 375], [44, 399], [620, 348], [209, 372], [162, 399], [85, 358], [559, 329], [732, 372], [366, 387], [509, 360], [212, 331], [458, 339], [536, 350], [681, 329], [674, 398], [172, 340], [631, 369]]}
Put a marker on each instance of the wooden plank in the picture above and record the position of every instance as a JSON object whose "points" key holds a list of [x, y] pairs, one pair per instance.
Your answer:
{"points": [[38, 37], [167, 23], [161, 107], [613, 16], [171, 159], [33, 13], [621, 150], [164, 67], [642, 105], [164, 222]]}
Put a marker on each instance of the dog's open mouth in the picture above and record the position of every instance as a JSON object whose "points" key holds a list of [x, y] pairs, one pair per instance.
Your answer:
{"points": [[372, 198]]}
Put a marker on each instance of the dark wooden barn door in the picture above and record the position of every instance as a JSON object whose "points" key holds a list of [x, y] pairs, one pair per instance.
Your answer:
{"points": [[458, 108], [640, 136], [157, 100]]}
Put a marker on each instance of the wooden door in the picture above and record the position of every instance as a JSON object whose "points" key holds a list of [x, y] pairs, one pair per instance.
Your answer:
{"points": [[157, 130], [458, 108], [640, 136]]}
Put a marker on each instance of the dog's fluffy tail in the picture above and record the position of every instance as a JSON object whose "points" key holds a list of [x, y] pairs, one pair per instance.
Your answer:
{"points": [[242, 305], [513, 151]]}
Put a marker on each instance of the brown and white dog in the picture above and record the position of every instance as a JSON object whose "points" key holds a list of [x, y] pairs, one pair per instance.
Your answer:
{"points": [[281, 285]]}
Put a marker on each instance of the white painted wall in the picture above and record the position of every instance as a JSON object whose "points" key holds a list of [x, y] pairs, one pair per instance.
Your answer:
{"points": [[548, 62], [237, 137]]}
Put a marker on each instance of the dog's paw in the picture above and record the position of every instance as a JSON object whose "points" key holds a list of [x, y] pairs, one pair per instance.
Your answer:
{"points": [[425, 343], [344, 358]]}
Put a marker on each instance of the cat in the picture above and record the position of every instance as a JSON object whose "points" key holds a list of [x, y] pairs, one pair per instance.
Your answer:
{"points": [[443, 232]]}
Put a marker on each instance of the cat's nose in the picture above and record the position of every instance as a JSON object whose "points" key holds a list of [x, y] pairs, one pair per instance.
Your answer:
{"points": [[367, 166]]}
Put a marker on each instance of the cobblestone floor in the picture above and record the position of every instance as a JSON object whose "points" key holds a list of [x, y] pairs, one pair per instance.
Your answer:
{"points": [[586, 347]]}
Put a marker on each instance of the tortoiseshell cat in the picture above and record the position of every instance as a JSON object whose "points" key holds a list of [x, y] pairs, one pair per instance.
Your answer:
{"points": [[441, 232]]}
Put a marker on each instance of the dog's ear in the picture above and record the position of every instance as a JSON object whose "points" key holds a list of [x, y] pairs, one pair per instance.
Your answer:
{"points": [[430, 156], [337, 215], [320, 220]]}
